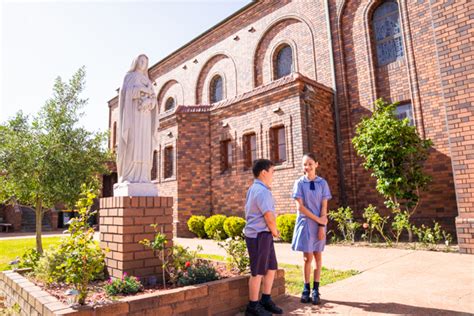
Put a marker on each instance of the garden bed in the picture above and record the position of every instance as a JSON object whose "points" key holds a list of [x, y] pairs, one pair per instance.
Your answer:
{"points": [[222, 297], [400, 245]]}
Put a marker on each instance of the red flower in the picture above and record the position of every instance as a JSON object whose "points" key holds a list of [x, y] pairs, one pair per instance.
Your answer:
{"points": [[365, 225], [187, 264]]}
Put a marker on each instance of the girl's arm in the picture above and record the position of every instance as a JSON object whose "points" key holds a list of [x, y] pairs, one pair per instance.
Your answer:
{"points": [[300, 207], [324, 213], [324, 217]]}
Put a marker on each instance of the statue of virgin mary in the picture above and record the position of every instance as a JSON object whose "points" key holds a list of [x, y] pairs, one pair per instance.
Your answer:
{"points": [[135, 131]]}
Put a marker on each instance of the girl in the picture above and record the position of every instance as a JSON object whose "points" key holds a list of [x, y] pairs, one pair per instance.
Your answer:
{"points": [[311, 194]]}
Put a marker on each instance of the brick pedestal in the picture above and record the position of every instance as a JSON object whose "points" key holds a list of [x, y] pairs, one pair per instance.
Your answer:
{"points": [[124, 221]]}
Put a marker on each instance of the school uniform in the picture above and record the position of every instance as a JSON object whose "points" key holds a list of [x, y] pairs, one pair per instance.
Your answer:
{"points": [[258, 237], [305, 235]]}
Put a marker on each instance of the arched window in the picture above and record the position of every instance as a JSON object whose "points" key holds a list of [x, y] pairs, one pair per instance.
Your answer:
{"points": [[169, 104], [283, 61], [387, 32], [216, 89]]}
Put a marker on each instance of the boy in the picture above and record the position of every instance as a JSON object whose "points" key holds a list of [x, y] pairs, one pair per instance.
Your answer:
{"points": [[259, 232]]}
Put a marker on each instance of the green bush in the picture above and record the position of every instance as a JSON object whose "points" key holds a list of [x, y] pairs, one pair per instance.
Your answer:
{"points": [[196, 225], [214, 227], [126, 285], [236, 253], [202, 272], [29, 259], [346, 224], [234, 226], [286, 226], [50, 266]]}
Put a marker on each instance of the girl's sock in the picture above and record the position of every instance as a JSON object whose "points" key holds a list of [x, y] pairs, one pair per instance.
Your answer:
{"points": [[316, 286], [306, 288]]}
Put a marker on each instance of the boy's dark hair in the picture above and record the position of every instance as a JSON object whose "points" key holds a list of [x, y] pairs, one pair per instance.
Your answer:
{"points": [[312, 156], [261, 164]]}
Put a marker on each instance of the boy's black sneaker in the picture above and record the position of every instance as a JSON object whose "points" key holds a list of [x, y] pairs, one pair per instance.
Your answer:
{"points": [[316, 298], [305, 298], [271, 307], [258, 310]]}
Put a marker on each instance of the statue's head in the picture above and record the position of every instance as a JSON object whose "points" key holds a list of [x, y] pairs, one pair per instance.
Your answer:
{"points": [[140, 64]]}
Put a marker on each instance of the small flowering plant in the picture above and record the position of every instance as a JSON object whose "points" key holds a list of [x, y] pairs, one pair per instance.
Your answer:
{"points": [[126, 285]]}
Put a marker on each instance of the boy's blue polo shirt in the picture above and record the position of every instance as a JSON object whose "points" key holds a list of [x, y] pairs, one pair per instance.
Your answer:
{"points": [[259, 201]]}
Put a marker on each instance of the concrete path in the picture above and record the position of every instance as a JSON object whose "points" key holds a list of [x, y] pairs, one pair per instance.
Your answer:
{"points": [[392, 281]]}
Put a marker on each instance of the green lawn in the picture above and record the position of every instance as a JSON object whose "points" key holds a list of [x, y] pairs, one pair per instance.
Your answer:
{"points": [[294, 277], [10, 249]]}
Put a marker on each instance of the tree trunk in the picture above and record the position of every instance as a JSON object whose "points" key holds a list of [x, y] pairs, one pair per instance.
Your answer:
{"points": [[410, 235], [39, 223]]}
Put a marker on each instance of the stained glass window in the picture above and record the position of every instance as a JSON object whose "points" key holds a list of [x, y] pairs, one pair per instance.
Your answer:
{"points": [[216, 92], [283, 62], [169, 104], [387, 33]]}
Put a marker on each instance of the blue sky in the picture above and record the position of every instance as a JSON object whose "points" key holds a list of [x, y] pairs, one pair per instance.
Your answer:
{"points": [[41, 40]]}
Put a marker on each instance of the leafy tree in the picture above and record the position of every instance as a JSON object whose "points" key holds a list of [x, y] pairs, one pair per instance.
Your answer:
{"points": [[394, 153], [44, 161]]}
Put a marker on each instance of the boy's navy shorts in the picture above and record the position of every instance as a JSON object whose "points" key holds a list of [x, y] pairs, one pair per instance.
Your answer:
{"points": [[261, 253]]}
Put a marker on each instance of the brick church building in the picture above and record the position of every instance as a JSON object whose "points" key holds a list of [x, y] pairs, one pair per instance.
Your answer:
{"points": [[280, 78]]}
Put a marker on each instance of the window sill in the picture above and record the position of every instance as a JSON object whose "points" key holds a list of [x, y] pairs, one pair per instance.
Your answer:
{"points": [[168, 179], [284, 165]]}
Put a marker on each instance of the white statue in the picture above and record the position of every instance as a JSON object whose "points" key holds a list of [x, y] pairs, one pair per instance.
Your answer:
{"points": [[135, 131]]}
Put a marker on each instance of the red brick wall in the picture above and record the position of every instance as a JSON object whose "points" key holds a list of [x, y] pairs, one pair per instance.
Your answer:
{"points": [[193, 173], [240, 50], [453, 30], [413, 78]]}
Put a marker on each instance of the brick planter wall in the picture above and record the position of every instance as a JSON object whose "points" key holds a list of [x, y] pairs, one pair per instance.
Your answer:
{"points": [[222, 297], [124, 221]]}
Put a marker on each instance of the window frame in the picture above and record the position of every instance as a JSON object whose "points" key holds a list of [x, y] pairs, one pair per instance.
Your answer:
{"points": [[166, 104], [168, 162], [154, 166], [394, 37], [276, 60], [275, 144], [247, 149], [212, 97], [226, 158]]}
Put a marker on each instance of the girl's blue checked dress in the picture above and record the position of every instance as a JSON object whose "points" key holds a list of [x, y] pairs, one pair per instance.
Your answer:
{"points": [[305, 235]]}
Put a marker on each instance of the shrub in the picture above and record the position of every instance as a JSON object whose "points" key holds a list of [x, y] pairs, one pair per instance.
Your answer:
{"points": [[286, 226], [345, 222], [430, 237], [376, 222], [158, 244], [179, 258], [29, 259], [401, 221], [85, 260], [196, 225], [201, 272], [214, 227], [234, 226], [126, 285], [49, 268], [237, 254]]}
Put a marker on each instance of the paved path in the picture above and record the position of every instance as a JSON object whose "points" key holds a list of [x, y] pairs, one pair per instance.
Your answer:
{"points": [[392, 281]]}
